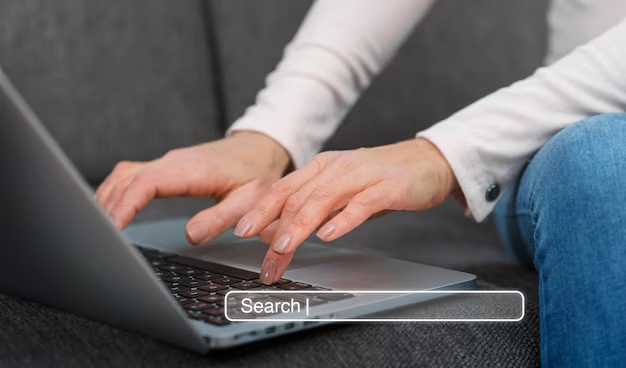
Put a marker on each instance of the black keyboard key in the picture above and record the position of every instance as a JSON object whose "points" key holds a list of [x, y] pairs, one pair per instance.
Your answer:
{"points": [[212, 287], [213, 298], [183, 300], [193, 293], [190, 272], [157, 263], [208, 276], [172, 267], [160, 273], [294, 286], [226, 280], [197, 306], [193, 282], [246, 285], [175, 278], [177, 288], [215, 267]]}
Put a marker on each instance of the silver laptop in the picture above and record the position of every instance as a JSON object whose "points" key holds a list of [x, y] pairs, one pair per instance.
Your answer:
{"points": [[61, 249]]}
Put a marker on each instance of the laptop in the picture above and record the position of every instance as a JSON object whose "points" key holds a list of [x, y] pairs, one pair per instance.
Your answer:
{"points": [[61, 249]]}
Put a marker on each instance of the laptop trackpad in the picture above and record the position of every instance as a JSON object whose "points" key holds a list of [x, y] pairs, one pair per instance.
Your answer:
{"points": [[313, 263]]}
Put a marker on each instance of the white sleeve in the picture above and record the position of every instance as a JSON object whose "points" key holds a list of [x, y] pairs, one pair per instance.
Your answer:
{"points": [[339, 48], [488, 142]]}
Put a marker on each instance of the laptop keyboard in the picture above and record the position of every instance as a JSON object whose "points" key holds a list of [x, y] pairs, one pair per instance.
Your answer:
{"points": [[200, 286]]}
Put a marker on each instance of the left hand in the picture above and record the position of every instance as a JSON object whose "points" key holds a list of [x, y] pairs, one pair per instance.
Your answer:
{"points": [[345, 188]]}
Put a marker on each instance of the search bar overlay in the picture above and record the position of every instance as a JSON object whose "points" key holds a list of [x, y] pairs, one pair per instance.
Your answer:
{"points": [[362, 306]]}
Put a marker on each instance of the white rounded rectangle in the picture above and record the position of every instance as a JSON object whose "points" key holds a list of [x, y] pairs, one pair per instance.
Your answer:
{"points": [[417, 306]]}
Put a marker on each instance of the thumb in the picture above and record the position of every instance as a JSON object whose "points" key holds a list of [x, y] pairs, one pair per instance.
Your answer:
{"points": [[212, 222]]}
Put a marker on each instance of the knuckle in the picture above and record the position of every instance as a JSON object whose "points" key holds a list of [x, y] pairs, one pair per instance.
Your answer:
{"points": [[323, 193], [347, 217], [321, 159], [140, 179], [364, 201], [122, 166], [218, 222], [293, 204], [301, 222], [262, 209], [347, 159], [172, 153], [280, 188]]}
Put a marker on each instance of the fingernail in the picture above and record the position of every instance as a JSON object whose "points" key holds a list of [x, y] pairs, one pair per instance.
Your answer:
{"points": [[325, 232], [197, 232], [280, 246], [268, 272], [242, 228]]}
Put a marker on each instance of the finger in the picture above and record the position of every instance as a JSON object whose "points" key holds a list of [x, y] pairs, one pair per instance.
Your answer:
{"points": [[294, 228], [270, 206], [294, 203], [275, 264], [212, 222], [274, 267], [117, 192], [128, 198], [121, 171], [267, 234], [135, 193], [372, 202]]}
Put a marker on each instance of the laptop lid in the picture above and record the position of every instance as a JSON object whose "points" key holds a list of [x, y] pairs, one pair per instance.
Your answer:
{"points": [[60, 248]]}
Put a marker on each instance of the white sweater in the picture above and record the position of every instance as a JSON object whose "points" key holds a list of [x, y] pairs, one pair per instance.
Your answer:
{"points": [[343, 44]]}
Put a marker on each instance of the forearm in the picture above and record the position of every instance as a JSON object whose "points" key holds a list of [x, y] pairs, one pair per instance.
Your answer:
{"points": [[339, 49], [488, 142]]}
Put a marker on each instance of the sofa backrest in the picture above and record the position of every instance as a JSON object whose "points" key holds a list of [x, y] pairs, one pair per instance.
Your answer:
{"points": [[112, 80], [128, 80], [462, 51]]}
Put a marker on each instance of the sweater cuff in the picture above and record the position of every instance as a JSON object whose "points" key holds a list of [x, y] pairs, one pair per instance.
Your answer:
{"points": [[478, 183]]}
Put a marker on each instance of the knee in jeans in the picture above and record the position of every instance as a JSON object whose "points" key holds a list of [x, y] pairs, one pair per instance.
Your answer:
{"points": [[577, 184], [583, 159]]}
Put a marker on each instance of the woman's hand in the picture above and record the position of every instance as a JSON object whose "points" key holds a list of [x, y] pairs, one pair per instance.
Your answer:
{"points": [[236, 171], [344, 189]]}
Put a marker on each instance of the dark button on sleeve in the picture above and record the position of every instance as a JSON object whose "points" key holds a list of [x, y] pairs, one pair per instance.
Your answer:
{"points": [[492, 192]]}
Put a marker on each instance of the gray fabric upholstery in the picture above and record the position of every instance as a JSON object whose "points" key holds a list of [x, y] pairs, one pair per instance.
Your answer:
{"points": [[115, 79]]}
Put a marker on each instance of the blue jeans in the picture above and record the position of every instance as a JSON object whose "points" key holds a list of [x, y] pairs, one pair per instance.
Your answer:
{"points": [[567, 217]]}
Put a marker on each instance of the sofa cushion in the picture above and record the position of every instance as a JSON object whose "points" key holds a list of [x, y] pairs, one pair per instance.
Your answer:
{"points": [[112, 80]]}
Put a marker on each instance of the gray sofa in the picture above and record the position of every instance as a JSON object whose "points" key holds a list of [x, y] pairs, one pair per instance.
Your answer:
{"points": [[120, 80]]}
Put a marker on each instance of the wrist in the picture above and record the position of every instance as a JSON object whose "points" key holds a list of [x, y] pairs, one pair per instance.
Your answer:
{"points": [[443, 171], [266, 147]]}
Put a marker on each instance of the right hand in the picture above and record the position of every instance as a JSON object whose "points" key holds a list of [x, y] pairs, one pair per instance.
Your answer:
{"points": [[236, 171]]}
